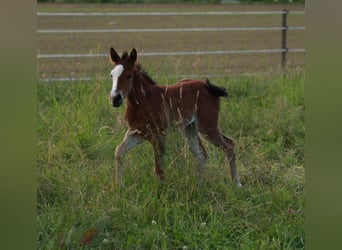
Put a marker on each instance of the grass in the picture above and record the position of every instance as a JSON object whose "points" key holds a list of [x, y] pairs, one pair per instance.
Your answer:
{"points": [[79, 206]]}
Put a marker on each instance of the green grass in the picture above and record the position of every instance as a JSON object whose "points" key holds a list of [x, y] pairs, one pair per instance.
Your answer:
{"points": [[78, 202]]}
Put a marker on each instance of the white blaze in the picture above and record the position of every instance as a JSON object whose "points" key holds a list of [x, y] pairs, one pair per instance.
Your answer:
{"points": [[115, 73]]}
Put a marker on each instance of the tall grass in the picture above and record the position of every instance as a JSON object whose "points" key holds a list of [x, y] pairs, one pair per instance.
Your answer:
{"points": [[79, 206]]}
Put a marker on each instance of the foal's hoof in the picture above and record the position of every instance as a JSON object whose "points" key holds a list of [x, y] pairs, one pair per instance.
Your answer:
{"points": [[161, 177], [118, 185]]}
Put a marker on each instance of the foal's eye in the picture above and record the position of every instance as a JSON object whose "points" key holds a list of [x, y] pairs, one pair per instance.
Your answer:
{"points": [[129, 76], [111, 76]]}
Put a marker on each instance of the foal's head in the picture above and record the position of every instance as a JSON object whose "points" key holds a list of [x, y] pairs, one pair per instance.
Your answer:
{"points": [[122, 75]]}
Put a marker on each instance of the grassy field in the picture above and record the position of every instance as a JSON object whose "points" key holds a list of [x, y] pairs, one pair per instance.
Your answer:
{"points": [[80, 207]]}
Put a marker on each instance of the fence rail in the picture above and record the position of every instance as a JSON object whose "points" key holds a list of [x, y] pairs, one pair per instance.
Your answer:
{"points": [[149, 30], [167, 13], [177, 53]]}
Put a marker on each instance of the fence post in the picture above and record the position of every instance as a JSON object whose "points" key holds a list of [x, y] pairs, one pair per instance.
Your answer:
{"points": [[283, 39]]}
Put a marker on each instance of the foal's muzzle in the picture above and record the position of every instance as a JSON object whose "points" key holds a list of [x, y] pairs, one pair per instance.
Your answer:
{"points": [[117, 100]]}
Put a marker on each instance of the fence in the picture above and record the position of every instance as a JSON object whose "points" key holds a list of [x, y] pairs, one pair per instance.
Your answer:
{"points": [[284, 28]]}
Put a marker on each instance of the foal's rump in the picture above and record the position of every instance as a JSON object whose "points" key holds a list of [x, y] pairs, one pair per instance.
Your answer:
{"points": [[194, 100]]}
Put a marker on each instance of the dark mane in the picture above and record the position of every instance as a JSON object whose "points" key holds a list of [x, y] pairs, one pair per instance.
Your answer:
{"points": [[125, 55], [145, 75]]}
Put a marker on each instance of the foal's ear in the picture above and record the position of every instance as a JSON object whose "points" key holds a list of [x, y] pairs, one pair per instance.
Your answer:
{"points": [[133, 55], [114, 56]]}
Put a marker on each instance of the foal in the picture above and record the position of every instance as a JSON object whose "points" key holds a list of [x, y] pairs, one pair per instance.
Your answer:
{"points": [[151, 109]]}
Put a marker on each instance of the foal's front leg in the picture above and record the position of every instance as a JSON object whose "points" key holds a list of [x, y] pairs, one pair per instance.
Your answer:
{"points": [[158, 143], [130, 140]]}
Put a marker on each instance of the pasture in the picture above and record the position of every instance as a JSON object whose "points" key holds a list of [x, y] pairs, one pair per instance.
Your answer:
{"points": [[181, 66], [79, 206]]}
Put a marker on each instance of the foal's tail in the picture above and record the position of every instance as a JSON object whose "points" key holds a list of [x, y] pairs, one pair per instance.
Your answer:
{"points": [[215, 90]]}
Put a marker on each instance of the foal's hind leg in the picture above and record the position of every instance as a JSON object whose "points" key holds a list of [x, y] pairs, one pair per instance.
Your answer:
{"points": [[230, 152], [227, 145], [196, 148], [130, 140]]}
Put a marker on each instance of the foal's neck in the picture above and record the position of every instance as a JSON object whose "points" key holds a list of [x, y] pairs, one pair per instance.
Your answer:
{"points": [[140, 89]]}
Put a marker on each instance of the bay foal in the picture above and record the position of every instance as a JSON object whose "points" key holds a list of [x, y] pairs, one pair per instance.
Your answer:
{"points": [[150, 109]]}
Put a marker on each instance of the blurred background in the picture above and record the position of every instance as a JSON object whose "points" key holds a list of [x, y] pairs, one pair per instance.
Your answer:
{"points": [[182, 39]]}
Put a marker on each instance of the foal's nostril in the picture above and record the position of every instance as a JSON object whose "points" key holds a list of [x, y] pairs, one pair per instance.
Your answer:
{"points": [[117, 100]]}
